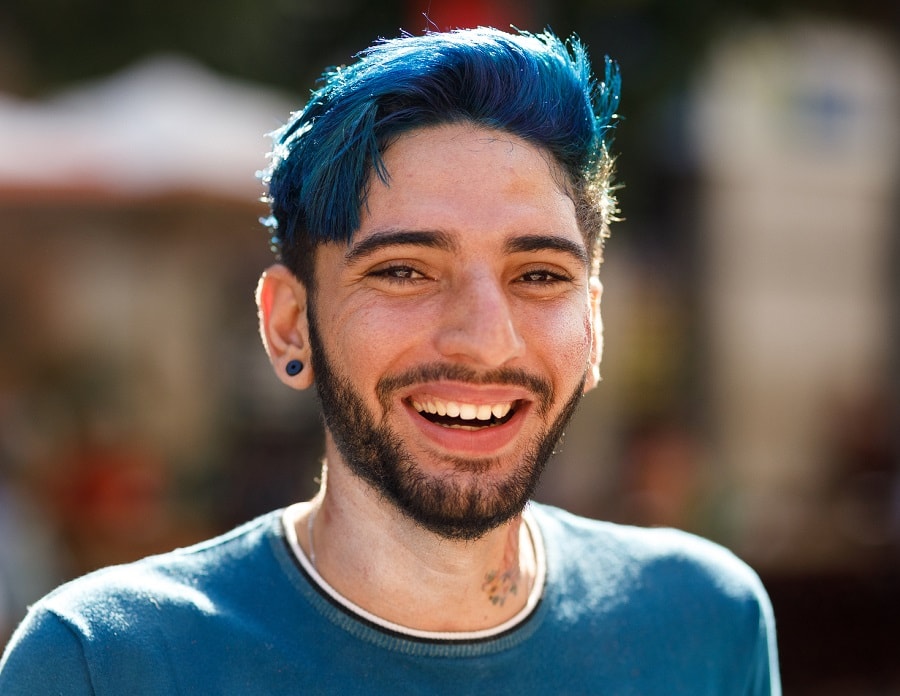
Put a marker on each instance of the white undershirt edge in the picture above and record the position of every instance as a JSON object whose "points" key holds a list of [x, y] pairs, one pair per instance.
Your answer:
{"points": [[289, 519]]}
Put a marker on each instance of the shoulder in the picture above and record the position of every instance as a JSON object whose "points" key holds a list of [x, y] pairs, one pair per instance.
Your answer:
{"points": [[647, 558], [684, 604], [117, 603], [178, 576]]}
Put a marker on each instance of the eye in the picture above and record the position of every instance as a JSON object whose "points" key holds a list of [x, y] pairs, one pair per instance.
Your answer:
{"points": [[543, 276], [397, 273]]}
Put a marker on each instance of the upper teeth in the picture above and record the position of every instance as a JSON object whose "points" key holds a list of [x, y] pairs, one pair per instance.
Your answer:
{"points": [[454, 409]]}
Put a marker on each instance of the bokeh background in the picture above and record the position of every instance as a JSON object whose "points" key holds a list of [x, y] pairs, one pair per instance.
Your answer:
{"points": [[752, 369]]}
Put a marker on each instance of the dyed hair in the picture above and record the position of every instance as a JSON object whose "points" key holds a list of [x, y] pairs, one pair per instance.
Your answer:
{"points": [[536, 87]]}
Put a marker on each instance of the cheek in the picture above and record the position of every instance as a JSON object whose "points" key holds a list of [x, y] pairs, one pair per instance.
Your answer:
{"points": [[367, 338], [567, 337]]}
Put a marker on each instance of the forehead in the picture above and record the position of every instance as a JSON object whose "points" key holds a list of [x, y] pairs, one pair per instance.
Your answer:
{"points": [[463, 178]]}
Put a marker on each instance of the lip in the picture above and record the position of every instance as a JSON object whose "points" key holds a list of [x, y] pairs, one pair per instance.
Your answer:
{"points": [[483, 442], [469, 393]]}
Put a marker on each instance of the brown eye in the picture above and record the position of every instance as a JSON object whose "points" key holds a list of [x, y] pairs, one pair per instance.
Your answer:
{"points": [[398, 273], [541, 277]]}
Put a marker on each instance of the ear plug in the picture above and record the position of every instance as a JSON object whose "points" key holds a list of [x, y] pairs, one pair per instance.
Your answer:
{"points": [[293, 368]]}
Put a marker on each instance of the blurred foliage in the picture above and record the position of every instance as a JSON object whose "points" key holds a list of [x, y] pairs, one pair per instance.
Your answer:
{"points": [[279, 43], [51, 43]]}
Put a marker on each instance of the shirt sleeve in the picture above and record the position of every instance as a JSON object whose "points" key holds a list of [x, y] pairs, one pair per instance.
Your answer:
{"points": [[44, 657], [765, 678]]}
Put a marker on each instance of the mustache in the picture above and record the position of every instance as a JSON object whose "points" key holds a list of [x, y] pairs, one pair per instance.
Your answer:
{"points": [[435, 372]]}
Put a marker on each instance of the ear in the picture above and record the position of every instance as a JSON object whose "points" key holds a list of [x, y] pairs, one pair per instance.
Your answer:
{"points": [[283, 324], [593, 374]]}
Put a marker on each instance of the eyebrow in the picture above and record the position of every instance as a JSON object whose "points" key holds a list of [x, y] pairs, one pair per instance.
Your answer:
{"points": [[547, 242], [433, 239]]}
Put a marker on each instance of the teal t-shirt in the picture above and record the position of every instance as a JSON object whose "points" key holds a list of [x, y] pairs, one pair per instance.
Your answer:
{"points": [[623, 611]]}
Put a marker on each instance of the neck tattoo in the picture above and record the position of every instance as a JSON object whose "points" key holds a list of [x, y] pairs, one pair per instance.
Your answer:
{"points": [[499, 585]]}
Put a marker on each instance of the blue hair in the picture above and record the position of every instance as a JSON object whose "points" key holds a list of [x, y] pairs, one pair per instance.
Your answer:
{"points": [[536, 87]]}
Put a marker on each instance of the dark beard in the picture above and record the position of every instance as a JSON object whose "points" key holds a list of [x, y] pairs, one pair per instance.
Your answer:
{"points": [[378, 456]]}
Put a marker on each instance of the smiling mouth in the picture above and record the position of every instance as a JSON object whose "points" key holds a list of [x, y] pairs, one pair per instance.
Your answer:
{"points": [[463, 416]]}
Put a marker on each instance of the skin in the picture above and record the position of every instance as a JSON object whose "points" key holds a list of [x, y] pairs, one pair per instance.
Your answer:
{"points": [[470, 262]]}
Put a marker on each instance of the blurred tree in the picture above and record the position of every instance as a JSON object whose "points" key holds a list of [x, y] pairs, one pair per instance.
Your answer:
{"points": [[50, 43], [282, 43]]}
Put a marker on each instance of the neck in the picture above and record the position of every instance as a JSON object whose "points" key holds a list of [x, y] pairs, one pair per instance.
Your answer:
{"points": [[380, 560]]}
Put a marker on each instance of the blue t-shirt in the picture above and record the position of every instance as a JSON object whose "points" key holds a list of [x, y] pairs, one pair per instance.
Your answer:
{"points": [[623, 611]]}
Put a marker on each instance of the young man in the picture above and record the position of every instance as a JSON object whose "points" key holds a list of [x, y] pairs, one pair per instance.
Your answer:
{"points": [[439, 209]]}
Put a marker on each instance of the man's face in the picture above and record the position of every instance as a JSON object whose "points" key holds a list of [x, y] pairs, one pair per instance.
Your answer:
{"points": [[453, 336]]}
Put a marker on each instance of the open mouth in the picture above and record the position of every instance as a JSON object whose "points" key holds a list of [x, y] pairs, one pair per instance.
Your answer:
{"points": [[453, 414]]}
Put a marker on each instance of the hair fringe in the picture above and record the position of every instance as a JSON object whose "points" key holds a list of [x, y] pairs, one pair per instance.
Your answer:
{"points": [[534, 86]]}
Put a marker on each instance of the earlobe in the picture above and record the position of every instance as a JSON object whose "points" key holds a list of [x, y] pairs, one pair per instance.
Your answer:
{"points": [[281, 301], [596, 354]]}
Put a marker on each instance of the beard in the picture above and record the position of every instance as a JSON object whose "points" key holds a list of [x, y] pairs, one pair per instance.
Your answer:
{"points": [[462, 504]]}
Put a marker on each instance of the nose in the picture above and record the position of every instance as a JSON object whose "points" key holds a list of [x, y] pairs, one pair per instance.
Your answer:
{"points": [[478, 323]]}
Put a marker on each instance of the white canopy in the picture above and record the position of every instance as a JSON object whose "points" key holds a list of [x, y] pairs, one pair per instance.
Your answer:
{"points": [[164, 125]]}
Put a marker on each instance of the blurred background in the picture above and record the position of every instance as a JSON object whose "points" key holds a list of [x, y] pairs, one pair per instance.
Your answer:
{"points": [[752, 368]]}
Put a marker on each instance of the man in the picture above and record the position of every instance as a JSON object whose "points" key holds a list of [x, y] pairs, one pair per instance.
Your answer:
{"points": [[439, 208]]}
